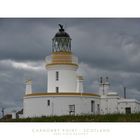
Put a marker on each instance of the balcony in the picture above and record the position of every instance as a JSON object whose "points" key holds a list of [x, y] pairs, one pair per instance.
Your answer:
{"points": [[61, 59]]}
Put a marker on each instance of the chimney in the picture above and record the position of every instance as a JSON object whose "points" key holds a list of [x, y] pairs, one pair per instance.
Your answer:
{"points": [[79, 84], [14, 114], [28, 87]]}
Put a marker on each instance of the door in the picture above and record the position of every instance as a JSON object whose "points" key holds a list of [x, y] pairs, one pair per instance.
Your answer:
{"points": [[92, 106], [128, 110], [71, 109]]}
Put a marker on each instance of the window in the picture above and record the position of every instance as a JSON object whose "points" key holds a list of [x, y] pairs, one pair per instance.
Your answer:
{"points": [[72, 109], [98, 108], [92, 106], [57, 89], [128, 110], [48, 102], [57, 75]]}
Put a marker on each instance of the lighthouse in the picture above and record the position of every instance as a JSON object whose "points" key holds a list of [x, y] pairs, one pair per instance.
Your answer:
{"points": [[65, 93], [61, 65]]}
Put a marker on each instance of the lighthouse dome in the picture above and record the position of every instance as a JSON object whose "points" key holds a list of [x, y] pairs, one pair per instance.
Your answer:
{"points": [[61, 33], [61, 41]]}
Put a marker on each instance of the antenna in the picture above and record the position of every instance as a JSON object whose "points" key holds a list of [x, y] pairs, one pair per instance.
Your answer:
{"points": [[2, 112], [124, 92], [101, 80]]}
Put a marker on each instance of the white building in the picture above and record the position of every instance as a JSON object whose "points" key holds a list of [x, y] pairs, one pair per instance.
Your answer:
{"points": [[65, 95]]}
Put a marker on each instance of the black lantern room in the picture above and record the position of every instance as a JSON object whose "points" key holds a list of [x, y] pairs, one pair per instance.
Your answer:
{"points": [[61, 41]]}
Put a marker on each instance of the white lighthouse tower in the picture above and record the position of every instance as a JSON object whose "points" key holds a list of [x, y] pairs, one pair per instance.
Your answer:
{"points": [[65, 91], [61, 65]]}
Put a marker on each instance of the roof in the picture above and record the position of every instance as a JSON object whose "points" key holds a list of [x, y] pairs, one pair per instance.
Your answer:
{"points": [[112, 94], [62, 94], [61, 32], [128, 101]]}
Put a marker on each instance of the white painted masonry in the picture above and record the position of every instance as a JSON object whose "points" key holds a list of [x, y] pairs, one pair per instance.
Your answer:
{"points": [[67, 81], [59, 105]]}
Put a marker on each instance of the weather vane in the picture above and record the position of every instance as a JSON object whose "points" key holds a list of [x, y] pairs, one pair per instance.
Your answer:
{"points": [[61, 27]]}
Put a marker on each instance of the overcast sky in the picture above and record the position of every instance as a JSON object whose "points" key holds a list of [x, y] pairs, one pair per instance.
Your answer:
{"points": [[105, 47]]}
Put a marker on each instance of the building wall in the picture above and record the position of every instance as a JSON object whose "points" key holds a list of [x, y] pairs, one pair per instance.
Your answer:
{"points": [[34, 107], [113, 105], [133, 104], [103, 106], [59, 105], [67, 81], [109, 104]]}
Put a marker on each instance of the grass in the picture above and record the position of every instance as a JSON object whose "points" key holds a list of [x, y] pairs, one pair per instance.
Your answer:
{"points": [[82, 118]]}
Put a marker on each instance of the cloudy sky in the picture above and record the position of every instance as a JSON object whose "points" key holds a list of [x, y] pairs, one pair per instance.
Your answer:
{"points": [[105, 47]]}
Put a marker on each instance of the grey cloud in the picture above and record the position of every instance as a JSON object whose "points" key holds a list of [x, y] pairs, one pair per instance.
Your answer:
{"points": [[12, 81]]}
